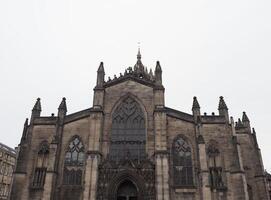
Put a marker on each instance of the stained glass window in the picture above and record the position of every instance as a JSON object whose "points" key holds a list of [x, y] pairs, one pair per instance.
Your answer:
{"points": [[182, 163], [75, 153], [74, 160], [128, 136]]}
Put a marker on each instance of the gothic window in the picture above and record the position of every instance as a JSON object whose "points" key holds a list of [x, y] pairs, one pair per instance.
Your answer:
{"points": [[74, 161], [128, 136], [215, 167], [182, 162], [41, 165]]}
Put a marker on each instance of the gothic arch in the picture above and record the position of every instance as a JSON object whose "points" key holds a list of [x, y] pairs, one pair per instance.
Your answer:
{"points": [[123, 177], [74, 161], [128, 130], [132, 96], [182, 161]]}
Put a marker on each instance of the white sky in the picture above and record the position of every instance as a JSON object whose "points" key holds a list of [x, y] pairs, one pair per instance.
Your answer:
{"points": [[52, 48]]}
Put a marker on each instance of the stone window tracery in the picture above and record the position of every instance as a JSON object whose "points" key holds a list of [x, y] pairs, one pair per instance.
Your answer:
{"points": [[74, 161], [128, 136], [182, 163], [41, 166]]}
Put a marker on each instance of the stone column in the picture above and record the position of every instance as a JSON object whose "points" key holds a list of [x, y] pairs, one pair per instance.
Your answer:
{"points": [[93, 155], [161, 162], [91, 175], [204, 172], [50, 174], [162, 175], [241, 172]]}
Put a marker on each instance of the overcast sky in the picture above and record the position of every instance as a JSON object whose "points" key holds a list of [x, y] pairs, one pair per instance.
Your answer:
{"points": [[207, 48]]}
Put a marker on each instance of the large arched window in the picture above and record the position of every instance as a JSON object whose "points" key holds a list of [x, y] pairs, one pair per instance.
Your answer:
{"points": [[41, 165], [128, 136], [215, 165], [182, 162], [74, 161]]}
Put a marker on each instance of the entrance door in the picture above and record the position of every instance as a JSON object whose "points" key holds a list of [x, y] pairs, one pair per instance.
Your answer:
{"points": [[127, 191]]}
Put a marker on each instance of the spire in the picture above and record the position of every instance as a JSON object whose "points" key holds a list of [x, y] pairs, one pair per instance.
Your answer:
{"points": [[101, 67], [195, 103], [245, 118], [246, 121], [223, 109], [63, 106], [36, 110], [37, 106], [222, 105], [196, 109], [139, 67], [158, 67], [100, 75], [62, 110], [138, 54], [158, 74]]}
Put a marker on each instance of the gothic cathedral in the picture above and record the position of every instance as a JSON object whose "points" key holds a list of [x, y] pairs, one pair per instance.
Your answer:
{"points": [[130, 146]]}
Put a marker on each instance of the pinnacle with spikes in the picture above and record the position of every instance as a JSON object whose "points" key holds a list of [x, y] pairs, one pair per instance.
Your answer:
{"points": [[244, 117], [195, 103], [63, 105], [222, 105], [37, 106]]}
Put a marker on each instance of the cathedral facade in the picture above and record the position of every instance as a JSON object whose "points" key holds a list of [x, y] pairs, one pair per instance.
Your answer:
{"points": [[130, 146]]}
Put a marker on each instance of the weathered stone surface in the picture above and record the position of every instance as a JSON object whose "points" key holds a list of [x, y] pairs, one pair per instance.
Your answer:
{"points": [[226, 160]]}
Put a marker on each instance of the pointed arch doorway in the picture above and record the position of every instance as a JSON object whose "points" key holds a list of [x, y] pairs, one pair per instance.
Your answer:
{"points": [[127, 191]]}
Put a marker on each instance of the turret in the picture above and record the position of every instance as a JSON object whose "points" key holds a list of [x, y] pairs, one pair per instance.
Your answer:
{"points": [[62, 109], [158, 74], [196, 109], [100, 76], [223, 109], [245, 120], [36, 110]]}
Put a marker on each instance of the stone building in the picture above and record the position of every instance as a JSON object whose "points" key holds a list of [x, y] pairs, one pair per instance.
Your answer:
{"points": [[7, 164], [130, 146], [268, 179]]}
